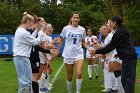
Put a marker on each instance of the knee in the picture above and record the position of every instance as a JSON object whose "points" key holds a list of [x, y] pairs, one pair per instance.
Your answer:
{"points": [[79, 75]]}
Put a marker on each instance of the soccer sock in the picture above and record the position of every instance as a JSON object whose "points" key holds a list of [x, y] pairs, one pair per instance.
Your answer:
{"points": [[47, 79], [35, 87], [120, 87], [69, 86], [42, 80], [90, 71], [78, 85], [96, 69]]}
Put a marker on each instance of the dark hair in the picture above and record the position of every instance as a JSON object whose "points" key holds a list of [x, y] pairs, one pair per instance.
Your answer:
{"points": [[118, 20], [75, 12]]}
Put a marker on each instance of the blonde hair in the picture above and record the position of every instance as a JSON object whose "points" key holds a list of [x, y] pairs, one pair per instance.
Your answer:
{"points": [[49, 25], [26, 17]]}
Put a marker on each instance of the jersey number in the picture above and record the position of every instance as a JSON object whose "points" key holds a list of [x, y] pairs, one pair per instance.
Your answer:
{"points": [[74, 40]]}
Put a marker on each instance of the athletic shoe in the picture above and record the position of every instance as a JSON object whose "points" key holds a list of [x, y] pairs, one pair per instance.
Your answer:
{"points": [[42, 90], [105, 90], [90, 78], [111, 91], [97, 77], [48, 86]]}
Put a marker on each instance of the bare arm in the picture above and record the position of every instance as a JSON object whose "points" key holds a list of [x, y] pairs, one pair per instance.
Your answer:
{"points": [[85, 45], [61, 39]]}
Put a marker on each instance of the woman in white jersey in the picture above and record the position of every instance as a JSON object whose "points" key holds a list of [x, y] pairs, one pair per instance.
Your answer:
{"points": [[23, 43], [74, 35], [47, 68], [107, 75], [90, 40]]}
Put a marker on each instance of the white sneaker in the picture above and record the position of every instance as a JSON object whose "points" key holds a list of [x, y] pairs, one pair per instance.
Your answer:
{"points": [[49, 87], [50, 84], [105, 90], [43, 90], [77, 91]]}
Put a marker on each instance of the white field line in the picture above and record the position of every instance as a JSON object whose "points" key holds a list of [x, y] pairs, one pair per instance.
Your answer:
{"points": [[57, 73]]}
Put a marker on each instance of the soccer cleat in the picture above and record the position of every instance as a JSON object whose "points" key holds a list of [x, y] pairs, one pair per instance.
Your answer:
{"points": [[42, 90], [105, 90], [48, 86], [111, 91], [96, 77], [77, 91], [90, 78]]}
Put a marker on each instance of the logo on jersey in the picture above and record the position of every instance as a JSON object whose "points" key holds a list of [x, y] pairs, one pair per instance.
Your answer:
{"points": [[75, 35]]}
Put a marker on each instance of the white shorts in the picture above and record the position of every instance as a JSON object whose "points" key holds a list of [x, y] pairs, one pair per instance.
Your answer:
{"points": [[71, 60], [89, 56]]}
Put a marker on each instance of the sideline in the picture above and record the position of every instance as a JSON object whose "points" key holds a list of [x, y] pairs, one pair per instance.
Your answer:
{"points": [[57, 73]]}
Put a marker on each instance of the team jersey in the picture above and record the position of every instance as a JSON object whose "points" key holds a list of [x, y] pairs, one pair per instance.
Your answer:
{"points": [[73, 41], [42, 35], [113, 52], [90, 43], [48, 39]]}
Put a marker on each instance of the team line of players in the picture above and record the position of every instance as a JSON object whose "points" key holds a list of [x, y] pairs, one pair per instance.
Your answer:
{"points": [[34, 50]]}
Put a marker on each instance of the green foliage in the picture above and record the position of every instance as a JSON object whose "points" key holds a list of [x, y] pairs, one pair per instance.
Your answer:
{"points": [[94, 13], [9, 18]]}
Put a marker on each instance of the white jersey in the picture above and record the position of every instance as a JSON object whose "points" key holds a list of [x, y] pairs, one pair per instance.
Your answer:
{"points": [[73, 41], [90, 43], [48, 39], [41, 35], [113, 52]]}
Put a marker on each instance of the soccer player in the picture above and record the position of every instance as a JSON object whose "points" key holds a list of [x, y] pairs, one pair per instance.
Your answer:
{"points": [[45, 77], [90, 40], [34, 57], [74, 35]]}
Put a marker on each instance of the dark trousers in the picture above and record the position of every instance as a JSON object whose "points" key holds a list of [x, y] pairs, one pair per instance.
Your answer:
{"points": [[129, 74]]}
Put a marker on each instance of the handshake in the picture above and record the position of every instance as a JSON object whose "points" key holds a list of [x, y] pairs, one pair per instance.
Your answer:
{"points": [[96, 47]]}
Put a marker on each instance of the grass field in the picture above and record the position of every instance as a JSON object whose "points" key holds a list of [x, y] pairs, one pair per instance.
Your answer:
{"points": [[9, 83]]}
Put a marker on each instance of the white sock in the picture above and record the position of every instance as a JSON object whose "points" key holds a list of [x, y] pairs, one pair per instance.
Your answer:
{"points": [[69, 86], [42, 80], [96, 69], [78, 85], [120, 87], [48, 77], [47, 80], [90, 71]]}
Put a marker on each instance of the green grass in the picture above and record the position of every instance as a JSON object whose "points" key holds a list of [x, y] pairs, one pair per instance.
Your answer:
{"points": [[9, 82]]}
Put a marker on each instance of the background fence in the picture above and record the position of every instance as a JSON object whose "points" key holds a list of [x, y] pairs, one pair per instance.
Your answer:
{"points": [[6, 45]]}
